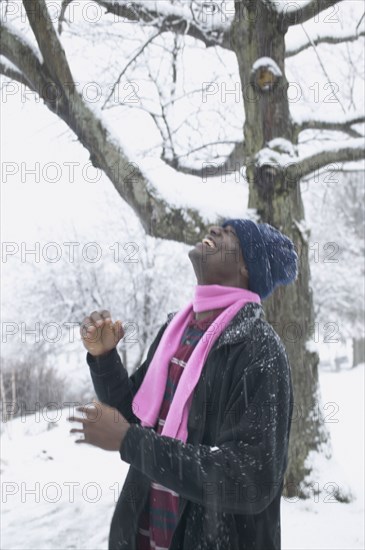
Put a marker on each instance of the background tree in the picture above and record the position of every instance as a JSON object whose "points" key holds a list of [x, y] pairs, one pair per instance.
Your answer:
{"points": [[122, 269], [338, 270], [273, 155]]}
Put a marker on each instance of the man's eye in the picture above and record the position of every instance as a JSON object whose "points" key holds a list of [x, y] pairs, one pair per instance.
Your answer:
{"points": [[230, 231]]}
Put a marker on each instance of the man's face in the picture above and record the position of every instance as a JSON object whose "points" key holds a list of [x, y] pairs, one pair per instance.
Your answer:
{"points": [[218, 258]]}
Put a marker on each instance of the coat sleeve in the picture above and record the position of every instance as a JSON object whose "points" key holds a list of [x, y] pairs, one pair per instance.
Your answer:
{"points": [[243, 472], [111, 382]]}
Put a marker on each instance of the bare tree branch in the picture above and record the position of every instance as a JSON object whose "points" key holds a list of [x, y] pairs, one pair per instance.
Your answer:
{"points": [[233, 162], [14, 74], [359, 23], [315, 162], [323, 67], [158, 218], [61, 18], [175, 21], [344, 126], [350, 37], [137, 54], [50, 47], [21, 54], [310, 10]]}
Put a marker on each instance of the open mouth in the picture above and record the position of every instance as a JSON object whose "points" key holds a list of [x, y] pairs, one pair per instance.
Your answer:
{"points": [[209, 242]]}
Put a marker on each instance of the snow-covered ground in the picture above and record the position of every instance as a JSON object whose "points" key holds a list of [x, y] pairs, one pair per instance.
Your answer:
{"points": [[58, 495], [321, 522]]}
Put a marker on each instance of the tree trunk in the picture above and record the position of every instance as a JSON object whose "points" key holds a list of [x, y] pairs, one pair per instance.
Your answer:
{"points": [[13, 391], [358, 346], [278, 202], [4, 416]]}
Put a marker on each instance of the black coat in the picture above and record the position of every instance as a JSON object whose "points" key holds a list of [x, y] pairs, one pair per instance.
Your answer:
{"points": [[229, 474]]}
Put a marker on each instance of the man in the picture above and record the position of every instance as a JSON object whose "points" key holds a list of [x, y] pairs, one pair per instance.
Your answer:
{"points": [[205, 421]]}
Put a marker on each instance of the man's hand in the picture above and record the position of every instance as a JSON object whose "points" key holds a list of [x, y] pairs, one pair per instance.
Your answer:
{"points": [[102, 426], [99, 334]]}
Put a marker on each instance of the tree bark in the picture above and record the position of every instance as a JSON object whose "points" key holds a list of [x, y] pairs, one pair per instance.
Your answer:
{"points": [[358, 346], [278, 202], [13, 392], [4, 416]]}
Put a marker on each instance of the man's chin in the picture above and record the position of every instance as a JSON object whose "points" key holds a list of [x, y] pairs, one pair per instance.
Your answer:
{"points": [[196, 249], [201, 252], [196, 256]]}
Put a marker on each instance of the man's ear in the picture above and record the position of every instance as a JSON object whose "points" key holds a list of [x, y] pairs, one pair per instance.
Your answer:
{"points": [[244, 275]]}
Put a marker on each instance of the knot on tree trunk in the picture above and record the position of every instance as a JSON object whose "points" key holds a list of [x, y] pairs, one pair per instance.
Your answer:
{"points": [[265, 178], [265, 75]]}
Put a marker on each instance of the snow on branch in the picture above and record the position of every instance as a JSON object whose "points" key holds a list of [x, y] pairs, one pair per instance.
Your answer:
{"points": [[344, 125], [179, 19], [278, 152], [281, 155], [294, 49], [8, 69], [158, 217], [25, 58], [294, 13], [345, 151]]}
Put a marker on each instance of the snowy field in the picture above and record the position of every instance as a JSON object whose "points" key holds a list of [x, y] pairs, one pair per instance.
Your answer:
{"points": [[58, 495]]}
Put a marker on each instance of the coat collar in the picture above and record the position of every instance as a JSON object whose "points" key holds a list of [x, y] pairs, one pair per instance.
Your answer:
{"points": [[239, 327]]}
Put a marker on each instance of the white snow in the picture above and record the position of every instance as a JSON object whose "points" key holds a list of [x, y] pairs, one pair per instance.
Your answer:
{"points": [[273, 153], [340, 119], [306, 149], [206, 15], [320, 523], [21, 37], [278, 151], [303, 228], [287, 5], [297, 38], [161, 6], [282, 145], [217, 196], [50, 458], [269, 63], [74, 486], [311, 346], [8, 63], [338, 21]]}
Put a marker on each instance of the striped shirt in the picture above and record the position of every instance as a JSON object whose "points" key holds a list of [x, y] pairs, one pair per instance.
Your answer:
{"points": [[159, 518]]}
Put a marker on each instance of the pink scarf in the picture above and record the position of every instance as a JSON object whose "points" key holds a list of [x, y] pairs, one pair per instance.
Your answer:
{"points": [[148, 400]]}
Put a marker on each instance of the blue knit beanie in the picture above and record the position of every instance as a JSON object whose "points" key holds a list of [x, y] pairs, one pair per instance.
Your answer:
{"points": [[269, 256]]}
